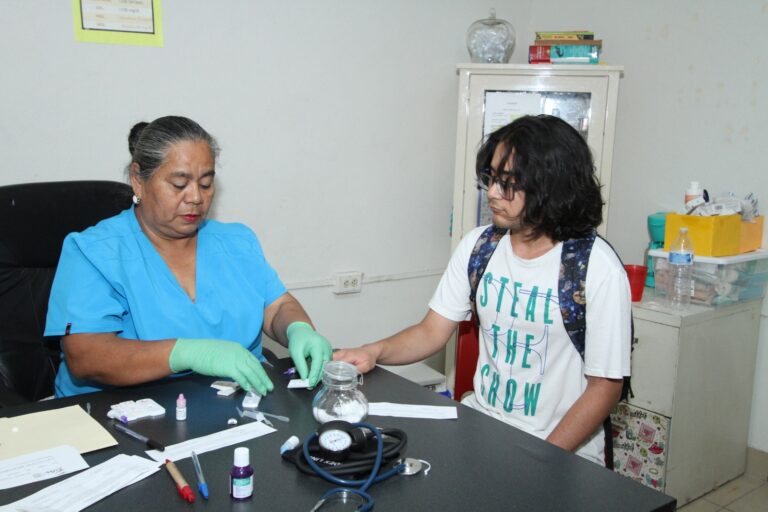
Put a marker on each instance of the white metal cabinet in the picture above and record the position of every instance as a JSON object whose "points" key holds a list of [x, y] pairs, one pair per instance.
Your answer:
{"points": [[492, 95], [697, 369]]}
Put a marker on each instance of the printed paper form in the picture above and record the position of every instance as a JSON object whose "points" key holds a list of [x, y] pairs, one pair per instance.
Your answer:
{"points": [[47, 429], [118, 15], [85, 489], [41, 465], [434, 412], [211, 442], [503, 107]]}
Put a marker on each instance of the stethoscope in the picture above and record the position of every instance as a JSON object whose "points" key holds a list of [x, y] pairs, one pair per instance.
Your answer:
{"points": [[335, 439]]}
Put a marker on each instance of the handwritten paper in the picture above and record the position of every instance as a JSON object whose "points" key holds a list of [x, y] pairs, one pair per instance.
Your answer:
{"points": [[41, 465], [37, 431]]}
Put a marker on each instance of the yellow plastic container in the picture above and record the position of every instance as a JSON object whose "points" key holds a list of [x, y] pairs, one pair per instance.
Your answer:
{"points": [[751, 234], [711, 236]]}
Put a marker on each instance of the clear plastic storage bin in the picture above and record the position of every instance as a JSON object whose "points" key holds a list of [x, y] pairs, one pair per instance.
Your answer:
{"points": [[718, 281]]}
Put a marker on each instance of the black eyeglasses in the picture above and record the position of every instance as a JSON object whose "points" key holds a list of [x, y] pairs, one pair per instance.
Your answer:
{"points": [[504, 181]]}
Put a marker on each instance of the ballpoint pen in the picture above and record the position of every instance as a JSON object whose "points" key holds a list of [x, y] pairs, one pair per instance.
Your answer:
{"points": [[150, 442], [202, 486], [181, 485]]}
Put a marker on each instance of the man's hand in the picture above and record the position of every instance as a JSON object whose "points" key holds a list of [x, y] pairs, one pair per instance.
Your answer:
{"points": [[364, 358]]}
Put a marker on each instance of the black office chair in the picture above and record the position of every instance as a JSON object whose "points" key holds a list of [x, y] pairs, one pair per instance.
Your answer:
{"points": [[34, 219]]}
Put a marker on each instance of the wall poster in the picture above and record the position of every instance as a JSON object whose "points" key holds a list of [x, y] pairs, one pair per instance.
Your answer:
{"points": [[132, 22]]}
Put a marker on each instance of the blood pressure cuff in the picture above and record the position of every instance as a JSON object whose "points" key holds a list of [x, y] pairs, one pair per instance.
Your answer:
{"points": [[360, 459]]}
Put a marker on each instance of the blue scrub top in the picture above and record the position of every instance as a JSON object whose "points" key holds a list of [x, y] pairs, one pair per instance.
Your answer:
{"points": [[110, 278]]}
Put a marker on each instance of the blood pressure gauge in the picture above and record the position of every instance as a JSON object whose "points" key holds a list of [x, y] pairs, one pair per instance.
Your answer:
{"points": [[335, 439]]}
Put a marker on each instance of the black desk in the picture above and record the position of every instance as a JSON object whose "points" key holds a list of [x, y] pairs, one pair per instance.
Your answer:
{"points": [[478, 463]]}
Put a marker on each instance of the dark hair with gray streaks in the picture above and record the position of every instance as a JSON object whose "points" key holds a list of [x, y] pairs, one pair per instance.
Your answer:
{"points": [[149, 144]]}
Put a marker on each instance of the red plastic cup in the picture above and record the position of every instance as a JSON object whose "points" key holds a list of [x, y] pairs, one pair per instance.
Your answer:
{"points": [[636, 275]]}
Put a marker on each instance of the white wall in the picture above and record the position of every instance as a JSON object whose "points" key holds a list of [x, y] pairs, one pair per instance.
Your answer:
{"points": [[337, 123], [691, 107]]}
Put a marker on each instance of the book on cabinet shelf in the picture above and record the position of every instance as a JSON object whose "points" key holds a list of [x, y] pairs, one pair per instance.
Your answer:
{"points": [[565, 47], [568, 42], [563, 54], [566, 35]]}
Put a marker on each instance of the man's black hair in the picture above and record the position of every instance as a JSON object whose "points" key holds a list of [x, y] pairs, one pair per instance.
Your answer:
{"points": [[552, 164]]}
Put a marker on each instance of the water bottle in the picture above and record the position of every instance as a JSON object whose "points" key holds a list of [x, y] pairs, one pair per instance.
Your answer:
{"points": [[680, 282]]}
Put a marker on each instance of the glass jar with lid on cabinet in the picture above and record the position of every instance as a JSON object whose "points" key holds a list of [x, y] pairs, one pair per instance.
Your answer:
{"points": [[491, 40]]}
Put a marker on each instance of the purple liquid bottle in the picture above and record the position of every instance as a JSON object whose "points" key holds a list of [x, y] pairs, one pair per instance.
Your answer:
{"points": [[241, 475]]}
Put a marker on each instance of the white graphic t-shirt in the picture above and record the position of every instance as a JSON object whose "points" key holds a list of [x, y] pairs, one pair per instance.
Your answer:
{"points": [[529, 373]]}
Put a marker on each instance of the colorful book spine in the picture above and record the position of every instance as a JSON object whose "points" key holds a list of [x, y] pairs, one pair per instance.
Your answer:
{"points": [[563, 54], [539, 54], [568, 34], [550, 42]]}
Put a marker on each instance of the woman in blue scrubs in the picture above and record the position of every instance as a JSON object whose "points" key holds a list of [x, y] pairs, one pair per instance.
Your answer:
{"points": [[159, 289]]}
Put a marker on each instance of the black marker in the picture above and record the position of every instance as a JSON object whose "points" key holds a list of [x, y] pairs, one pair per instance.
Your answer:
{"points": [[150, 442]]}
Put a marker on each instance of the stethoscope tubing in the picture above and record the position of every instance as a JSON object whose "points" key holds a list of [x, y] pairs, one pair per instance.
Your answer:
{"points": [[358, 487]]}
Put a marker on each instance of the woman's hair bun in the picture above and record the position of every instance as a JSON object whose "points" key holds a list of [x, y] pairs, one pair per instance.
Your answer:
{"points": [[133, 136]]}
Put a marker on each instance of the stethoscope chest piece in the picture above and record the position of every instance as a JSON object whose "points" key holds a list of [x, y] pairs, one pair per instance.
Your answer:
{"points": [[344, 501], [413, 466]]}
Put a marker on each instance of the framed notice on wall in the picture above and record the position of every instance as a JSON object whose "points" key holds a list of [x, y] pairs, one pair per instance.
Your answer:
{"points": [[133, 22]]}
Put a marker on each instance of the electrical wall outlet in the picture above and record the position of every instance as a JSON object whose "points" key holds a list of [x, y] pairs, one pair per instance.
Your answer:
{"points": [[347, 282]]}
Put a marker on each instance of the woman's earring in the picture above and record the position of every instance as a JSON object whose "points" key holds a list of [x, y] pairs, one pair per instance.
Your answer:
{"points": [[136, 200]]}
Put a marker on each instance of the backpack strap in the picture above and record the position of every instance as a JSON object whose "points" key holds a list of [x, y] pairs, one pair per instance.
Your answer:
{"points": [[481, 255], [573, 299], [626, 390], [573, 306], [574, 261]]}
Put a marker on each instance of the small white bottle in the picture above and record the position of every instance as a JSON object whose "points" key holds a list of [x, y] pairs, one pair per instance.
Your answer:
{"points": [[290, 443], [241, 475], [694, 190], [680, 282], [181, 408]]}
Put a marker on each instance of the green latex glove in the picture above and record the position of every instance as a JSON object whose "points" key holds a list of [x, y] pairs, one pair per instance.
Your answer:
{"points": [[303, 342], [220, 358]]}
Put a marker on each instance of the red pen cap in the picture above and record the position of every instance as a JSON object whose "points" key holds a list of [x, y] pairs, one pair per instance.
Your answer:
{"points": [[187, 494], [181, 485]]}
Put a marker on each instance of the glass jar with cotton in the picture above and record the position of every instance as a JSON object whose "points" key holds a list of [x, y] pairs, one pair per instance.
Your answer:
{"points": [[340, 398]]}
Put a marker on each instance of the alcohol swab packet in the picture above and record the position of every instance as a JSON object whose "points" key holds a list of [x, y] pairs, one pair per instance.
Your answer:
{"points": [[225, 387], [298, 384], [251, 400]]}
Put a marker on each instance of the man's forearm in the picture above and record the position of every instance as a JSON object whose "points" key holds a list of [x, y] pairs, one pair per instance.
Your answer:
{"points": [[416, 342], [587, 413]]}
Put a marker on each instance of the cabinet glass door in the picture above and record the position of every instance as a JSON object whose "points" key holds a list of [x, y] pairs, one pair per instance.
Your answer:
{"points": [[502, 107], [497, 100]]}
